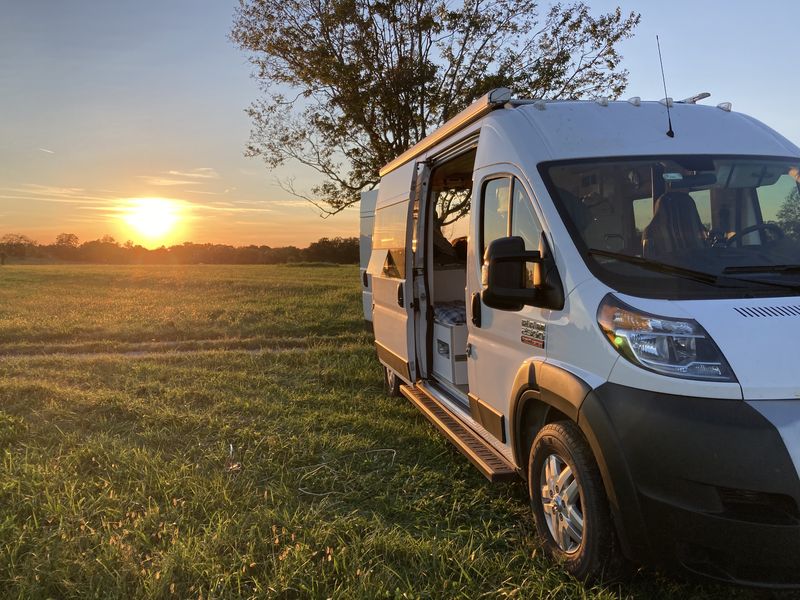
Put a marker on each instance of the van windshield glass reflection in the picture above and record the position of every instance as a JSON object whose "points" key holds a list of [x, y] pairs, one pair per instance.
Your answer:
{"points": [[721, 216]]}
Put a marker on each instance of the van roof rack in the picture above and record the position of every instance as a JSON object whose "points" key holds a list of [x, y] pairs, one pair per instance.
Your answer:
{"points": [[497, 98], [482, 106]]}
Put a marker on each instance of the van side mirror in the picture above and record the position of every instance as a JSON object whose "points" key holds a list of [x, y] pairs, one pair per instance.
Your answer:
{"points": [[504, 274]]}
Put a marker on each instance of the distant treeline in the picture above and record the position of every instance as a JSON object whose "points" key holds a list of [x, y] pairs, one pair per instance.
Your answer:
{"points": [[68, 248]]}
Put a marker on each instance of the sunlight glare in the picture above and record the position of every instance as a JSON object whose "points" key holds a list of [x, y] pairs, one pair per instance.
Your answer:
{"points": [[154, 220]]}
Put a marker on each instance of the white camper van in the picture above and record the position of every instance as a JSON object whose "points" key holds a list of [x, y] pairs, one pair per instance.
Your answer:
{"points": [[575, 297], [368, 200]]}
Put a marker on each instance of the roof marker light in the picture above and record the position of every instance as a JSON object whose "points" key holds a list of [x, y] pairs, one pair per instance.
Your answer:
{"points": [[636, 101], [540, 104], [726, 106], [602, 101], [667, 102]]}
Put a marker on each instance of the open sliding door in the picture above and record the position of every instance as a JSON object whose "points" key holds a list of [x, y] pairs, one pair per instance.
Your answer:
{"points": [[392, 269]]}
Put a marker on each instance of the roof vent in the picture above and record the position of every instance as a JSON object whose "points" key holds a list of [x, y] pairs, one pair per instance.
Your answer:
{"points": [[789, 310]]}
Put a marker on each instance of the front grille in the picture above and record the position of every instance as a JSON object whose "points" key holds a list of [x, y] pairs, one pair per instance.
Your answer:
{"points": [[759, 507]]}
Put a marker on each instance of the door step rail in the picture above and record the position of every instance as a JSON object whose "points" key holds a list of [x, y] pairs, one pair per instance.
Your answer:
{"points": [[486, 459]]}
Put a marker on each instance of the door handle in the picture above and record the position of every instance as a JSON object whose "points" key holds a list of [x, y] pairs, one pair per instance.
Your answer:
{"points": [[365, 279], [475, 309], [400, 295]]}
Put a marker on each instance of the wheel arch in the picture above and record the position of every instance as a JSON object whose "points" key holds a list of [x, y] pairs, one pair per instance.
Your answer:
{"points": [[543, 393]]}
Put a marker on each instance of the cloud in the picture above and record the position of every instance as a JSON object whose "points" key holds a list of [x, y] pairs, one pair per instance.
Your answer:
{"points": [[174, 177], [288, 203], [49, 193], [230, 209], [166, 181], [198, 173]]}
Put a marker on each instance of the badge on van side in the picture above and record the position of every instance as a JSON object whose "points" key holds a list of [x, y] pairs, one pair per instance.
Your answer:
{"points": [[533, 333]]}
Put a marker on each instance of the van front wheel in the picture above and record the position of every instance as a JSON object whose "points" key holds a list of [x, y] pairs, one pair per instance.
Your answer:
{"points": [[569, 503], [391, 382]]}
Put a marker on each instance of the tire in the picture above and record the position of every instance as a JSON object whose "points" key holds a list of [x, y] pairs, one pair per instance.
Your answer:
{"points": [[391, 382], [569, 503]]}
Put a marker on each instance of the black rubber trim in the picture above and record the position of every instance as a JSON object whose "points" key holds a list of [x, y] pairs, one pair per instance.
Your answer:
{"points": [[538, 381], [398, 364], [490, 419], [670, 465], [562, 389]]}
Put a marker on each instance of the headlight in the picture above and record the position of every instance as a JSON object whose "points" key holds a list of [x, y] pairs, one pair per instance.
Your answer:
{"points": [[666, 345]]}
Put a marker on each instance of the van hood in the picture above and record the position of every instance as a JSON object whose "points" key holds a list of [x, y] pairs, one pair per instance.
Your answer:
{"points": [[760, 338]]}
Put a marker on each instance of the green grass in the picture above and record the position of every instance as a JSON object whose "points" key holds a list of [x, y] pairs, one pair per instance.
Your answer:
{"points": [[222, 432]]}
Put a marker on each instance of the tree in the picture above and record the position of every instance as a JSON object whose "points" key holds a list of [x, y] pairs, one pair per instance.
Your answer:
{"points": [[350, 84], [336, 250], [67, 240], [17, 245], [789, 215]]}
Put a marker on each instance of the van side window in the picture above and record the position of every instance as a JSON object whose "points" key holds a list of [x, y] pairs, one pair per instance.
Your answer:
{"points": [[494, 211], [525, 224], [389, 241]]}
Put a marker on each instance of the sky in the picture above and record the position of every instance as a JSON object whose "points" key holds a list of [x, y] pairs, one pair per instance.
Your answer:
{"points": [[106, 106]]}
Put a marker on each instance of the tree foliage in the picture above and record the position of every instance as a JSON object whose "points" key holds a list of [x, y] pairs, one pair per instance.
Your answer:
{"points": [[67, 240], [789, 215], [16, 244], [107, 250], [350, 84]]}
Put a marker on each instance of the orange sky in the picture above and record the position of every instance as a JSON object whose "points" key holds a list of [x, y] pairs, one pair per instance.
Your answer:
{"points": [[104, 103]]}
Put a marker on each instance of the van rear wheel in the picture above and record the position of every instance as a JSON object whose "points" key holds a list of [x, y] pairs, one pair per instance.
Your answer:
{"points": [[391, 382], [569, 503]]}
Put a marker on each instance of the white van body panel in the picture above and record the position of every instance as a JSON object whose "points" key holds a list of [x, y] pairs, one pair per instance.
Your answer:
{"points": [[393, 323], [497, 348], [762, 349], [367, 220], [574, 341], [568, 130], [500, 140]]}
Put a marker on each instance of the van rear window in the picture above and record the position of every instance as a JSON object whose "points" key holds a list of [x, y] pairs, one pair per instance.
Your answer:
{"points": [[389, 241]]}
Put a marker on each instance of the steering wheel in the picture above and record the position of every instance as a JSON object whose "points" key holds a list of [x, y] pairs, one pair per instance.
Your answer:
{"points": [[779, 233]]}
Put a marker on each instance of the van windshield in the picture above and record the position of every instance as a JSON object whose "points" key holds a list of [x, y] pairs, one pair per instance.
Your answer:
{"points": [[684, 226]]}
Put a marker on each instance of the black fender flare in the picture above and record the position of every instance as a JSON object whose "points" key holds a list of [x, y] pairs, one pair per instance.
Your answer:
{"points": [[537, 380], [549, 386]]}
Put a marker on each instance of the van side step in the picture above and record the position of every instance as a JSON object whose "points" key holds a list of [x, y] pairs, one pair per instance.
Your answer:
{"points": [[486, 459]]}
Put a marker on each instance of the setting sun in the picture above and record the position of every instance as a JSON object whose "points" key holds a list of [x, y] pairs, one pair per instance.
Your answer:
{"points": [[153, 220]]}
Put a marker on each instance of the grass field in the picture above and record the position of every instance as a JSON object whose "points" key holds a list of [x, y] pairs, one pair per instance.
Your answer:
{"points": [[210, 432]]}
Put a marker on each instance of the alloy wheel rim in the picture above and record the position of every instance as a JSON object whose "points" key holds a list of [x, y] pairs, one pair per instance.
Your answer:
{"points": [[562, 502]]}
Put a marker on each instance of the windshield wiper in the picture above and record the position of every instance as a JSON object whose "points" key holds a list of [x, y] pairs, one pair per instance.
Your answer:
{"points": [[701, 276], [657, 266], [763, 269]]}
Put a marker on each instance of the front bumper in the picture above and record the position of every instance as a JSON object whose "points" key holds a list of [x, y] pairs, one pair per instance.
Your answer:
{"points": [[704, 484]]}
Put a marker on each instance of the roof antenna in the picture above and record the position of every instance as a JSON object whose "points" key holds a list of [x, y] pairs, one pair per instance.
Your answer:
{"points": [[670, 133]]}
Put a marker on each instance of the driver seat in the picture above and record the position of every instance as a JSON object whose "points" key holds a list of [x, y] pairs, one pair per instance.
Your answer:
{"points": [[675, 226]]}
